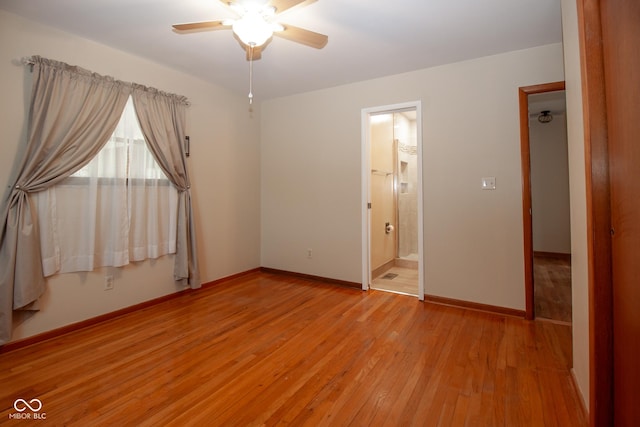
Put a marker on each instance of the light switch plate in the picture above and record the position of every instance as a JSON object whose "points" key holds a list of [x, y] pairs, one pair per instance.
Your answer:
{"points": [[489, 183]]}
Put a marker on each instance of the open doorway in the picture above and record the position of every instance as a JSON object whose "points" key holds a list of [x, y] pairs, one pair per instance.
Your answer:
{"points": [[547, 239], [392, 193]]}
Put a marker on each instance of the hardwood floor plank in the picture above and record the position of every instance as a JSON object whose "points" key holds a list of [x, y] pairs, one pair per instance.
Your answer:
{"points": [[267, 349], [360, 384]]}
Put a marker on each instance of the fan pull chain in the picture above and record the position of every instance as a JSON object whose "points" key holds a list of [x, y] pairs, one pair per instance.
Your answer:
{"points": [[251, 45]]}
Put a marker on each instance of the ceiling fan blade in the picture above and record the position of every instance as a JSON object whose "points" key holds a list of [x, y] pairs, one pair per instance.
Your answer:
{"points": [[257, 52], [300, 35], [282, 5], [201, 26]]}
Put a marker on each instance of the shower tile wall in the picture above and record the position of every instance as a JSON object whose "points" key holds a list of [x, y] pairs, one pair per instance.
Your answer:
{"points": [[405, 133]]}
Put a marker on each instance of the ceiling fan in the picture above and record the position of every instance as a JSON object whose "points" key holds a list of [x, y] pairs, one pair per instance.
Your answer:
{"points": [[257, 23]]}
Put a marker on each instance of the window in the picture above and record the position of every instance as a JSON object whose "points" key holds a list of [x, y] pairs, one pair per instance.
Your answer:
{"points": [[118, 208]]}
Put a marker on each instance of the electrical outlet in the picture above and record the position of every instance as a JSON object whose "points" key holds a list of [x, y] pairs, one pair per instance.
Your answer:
{"points": [[108, 283], [309, 253]]}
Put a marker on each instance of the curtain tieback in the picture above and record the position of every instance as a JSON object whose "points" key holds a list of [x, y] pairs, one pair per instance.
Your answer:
{"points": [[19, 189]]}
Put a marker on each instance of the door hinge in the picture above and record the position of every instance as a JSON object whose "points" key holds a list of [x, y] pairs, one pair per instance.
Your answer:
{"points": [[368, 205]]}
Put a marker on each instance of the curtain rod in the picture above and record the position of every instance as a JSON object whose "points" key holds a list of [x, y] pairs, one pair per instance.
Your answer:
{"points": [[28, 60]]}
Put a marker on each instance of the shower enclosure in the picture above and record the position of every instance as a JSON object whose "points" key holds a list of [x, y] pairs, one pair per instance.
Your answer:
{"points": [[407, 180]]}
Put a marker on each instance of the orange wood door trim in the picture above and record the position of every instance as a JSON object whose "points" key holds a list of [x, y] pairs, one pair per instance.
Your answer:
{"points": [[598, 214], [525, 155], [611, 63]]}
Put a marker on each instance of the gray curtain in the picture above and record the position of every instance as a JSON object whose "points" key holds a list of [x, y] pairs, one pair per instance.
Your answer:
{"points": [[73, 113], [162, 120]]}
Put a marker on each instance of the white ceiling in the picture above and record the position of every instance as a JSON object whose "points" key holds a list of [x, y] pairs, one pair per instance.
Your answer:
{"points": [[367, 38], [551, 101]]}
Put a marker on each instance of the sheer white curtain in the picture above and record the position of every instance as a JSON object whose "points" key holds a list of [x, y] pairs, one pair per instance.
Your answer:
{"points": [[118, 208]]}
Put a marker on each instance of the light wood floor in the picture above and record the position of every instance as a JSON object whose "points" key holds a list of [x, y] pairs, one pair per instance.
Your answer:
{"points": [[405, 282], [552, 288], [274, 350]]}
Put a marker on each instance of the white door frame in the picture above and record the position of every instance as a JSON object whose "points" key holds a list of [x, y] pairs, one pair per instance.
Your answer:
{"points": [[366, 196]]}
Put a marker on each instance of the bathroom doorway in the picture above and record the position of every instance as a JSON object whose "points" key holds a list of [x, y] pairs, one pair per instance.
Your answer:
{"points": [[392, 193], [545, 196], [551, 218]]}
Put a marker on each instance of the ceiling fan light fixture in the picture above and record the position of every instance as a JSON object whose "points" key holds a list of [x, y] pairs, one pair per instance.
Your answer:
{"points": [[269, 11], [253, 29]]}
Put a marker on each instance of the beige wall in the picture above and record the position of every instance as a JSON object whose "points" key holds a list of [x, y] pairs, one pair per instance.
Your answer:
{"points": [[224, 169], [311, 168], [578, 200], [550, 185]]}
